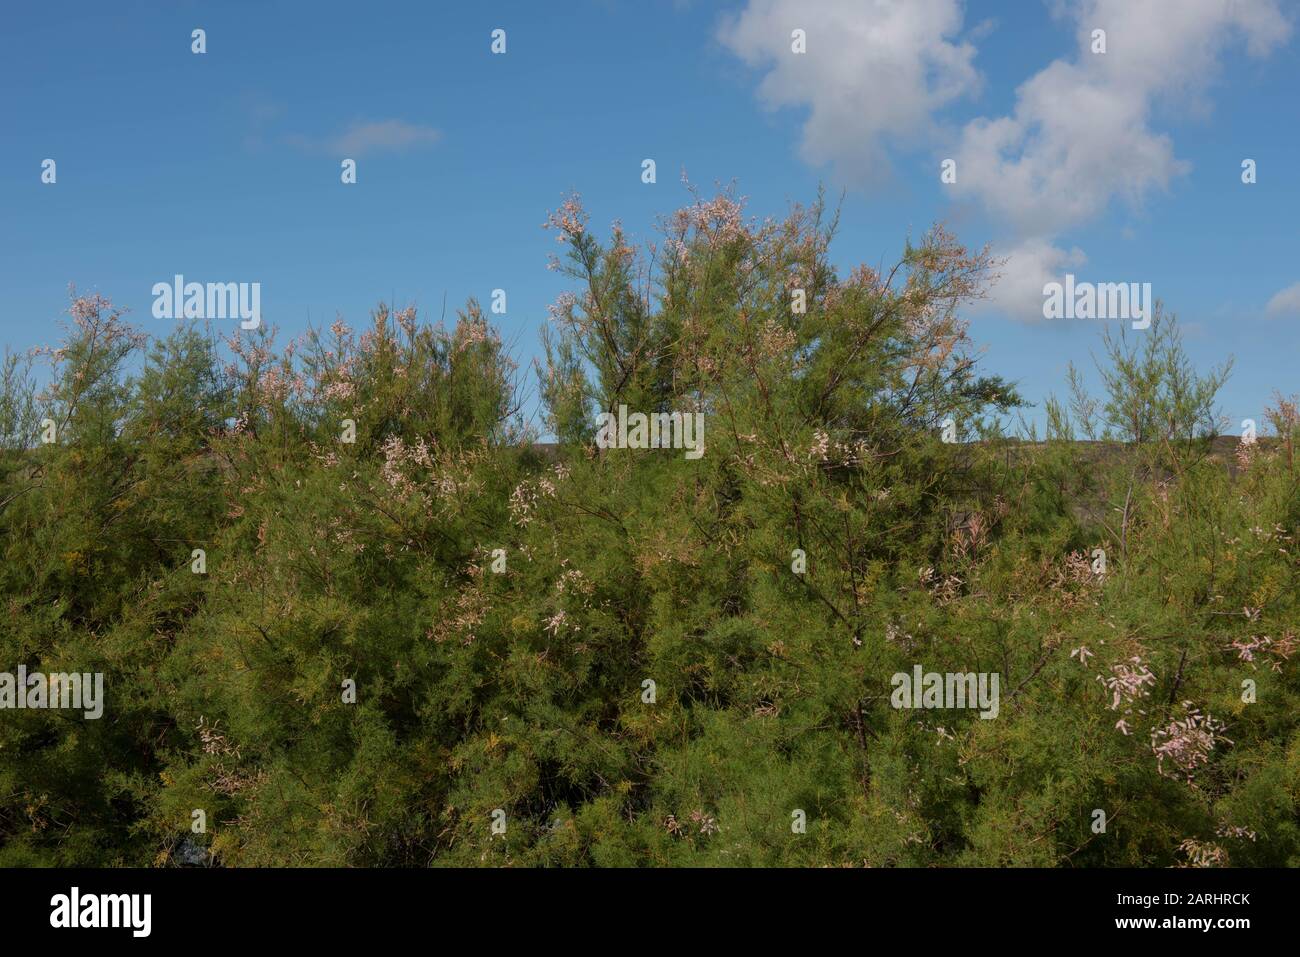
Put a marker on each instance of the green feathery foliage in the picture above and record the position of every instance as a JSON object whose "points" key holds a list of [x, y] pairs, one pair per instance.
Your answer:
{"points": [[346, 607]]}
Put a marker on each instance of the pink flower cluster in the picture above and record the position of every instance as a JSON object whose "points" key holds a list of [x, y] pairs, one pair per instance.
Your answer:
{"points": [[1128, 683], [1203, 854], [570, 219], [705, 822], [1275, 652], [1187, 742]]}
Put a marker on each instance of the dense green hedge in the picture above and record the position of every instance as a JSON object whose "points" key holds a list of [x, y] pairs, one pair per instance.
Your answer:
{"points": [[477, 690]]}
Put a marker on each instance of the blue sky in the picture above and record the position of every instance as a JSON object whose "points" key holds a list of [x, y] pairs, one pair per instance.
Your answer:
{"points": [[1124, 166]]}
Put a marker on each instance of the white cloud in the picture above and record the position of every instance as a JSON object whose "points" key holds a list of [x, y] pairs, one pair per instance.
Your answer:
{"points": [[1080, 133], [875, 71], [1018, 292], [382, 136], [1079, 136], [371, 136], [1285, 303]]}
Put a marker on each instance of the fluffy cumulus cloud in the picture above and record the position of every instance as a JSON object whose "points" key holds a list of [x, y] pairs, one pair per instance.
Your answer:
{"points": [[1080, 134], [875, 71], [1025, 268]]}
